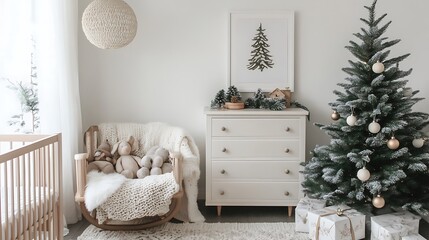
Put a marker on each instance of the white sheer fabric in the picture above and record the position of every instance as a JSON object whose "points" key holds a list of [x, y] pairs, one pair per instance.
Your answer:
{"points": [[53, 26], [15, 58], [56, 33]]}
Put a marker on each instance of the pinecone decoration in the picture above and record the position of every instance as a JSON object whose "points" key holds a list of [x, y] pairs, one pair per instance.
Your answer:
{"points": [[234, 99]]}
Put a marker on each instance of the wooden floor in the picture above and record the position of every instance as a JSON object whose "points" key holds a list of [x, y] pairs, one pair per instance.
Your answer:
{"points": [[234, 214]]}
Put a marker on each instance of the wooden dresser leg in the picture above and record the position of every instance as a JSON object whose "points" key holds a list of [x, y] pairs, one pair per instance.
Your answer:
{"points": [[289, 211], [219, 210]]}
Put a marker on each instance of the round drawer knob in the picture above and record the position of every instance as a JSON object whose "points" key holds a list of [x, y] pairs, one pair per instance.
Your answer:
{"points": [[223, 129], [287, 193], [223, 171], [287, 171], [223, 149], [222, 193], [287, 129], [287, 150]]}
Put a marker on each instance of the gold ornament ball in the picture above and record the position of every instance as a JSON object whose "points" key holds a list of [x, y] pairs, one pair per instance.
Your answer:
{"points": [[335, 116], [378, 201], [378, 67], [393, 143]]}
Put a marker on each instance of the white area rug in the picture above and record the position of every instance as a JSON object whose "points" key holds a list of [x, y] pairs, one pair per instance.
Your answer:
{"points": [[202, 231]]}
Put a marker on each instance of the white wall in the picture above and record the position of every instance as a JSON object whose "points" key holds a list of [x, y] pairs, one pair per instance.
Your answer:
{"points": [[178, 60]]}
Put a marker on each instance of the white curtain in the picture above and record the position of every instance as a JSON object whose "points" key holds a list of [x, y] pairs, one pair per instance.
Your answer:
{"points": [[15, 56], [56, 36]]}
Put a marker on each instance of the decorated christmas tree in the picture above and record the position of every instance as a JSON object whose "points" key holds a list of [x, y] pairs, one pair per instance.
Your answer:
{"points": [[378, 153]]}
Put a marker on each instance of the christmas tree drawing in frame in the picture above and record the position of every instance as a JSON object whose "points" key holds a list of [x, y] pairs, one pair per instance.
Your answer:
{"points": [[260, 57], [261, 50], [378, 155]]}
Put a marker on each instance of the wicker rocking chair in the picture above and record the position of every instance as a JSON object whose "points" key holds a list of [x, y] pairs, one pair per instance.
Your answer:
{"points": [[92, 140]]}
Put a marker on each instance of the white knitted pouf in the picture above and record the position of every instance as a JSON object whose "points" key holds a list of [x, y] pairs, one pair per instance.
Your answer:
{"points": [[109, 23]]}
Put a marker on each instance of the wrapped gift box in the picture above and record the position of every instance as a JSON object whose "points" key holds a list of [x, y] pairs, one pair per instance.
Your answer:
{"points": [[394, 226], [414, 237], [334, 226], [301, 212]]}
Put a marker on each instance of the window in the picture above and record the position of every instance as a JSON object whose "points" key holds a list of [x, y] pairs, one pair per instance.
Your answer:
{"points": [[18, 70]]}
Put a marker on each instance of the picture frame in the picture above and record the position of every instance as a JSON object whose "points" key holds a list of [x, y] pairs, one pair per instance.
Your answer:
{"points": [[261, 50]]}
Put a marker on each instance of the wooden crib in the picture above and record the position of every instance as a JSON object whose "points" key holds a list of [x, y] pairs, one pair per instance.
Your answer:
{"points": [[31, 187]]}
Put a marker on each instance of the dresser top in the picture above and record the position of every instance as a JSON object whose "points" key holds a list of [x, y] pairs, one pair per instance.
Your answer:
{"points": [[256, 112]]}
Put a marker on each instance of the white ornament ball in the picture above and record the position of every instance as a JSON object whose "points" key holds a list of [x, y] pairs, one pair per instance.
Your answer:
{"points": [[378, 201], [351, 120], [418, 142], [393, 143], [374, 127], [363, 174], [408, 92], [378, 67]]}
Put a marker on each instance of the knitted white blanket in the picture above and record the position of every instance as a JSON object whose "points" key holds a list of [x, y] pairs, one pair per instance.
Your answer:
{"points": [[173, 139], [130, 201]]}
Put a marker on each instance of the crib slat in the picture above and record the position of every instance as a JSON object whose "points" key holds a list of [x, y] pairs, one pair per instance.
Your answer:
{"points": [[11, 192], [1, 205], [6, 199], [48, 161], [18, 188], [27, 187], [39, 200], [59, 181], [33, 197], [35, 171], [42, 206], [12, 200], [45, 187], [55, 174], [1, 193], [24, 202]]}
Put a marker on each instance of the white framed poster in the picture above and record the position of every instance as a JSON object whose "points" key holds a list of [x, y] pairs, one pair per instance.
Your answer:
{"points": [[261, 50]]}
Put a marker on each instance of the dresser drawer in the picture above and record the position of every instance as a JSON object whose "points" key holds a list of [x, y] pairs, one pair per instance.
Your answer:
{"points": [[251, 191], [255, 148], [262, 170], [254, 127]]}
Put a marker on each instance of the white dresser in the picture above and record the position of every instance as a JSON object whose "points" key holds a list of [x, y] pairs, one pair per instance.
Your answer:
{"points": [[253, 157]]}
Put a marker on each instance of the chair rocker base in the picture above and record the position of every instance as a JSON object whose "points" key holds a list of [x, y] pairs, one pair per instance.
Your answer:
{"points": [[154, 221]]}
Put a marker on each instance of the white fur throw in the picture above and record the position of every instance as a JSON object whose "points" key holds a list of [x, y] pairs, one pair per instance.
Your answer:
{"points": [[100, 187], [175, 140]]}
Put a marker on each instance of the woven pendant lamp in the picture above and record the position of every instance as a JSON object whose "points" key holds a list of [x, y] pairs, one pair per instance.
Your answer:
{"points": [[109, 23]]}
